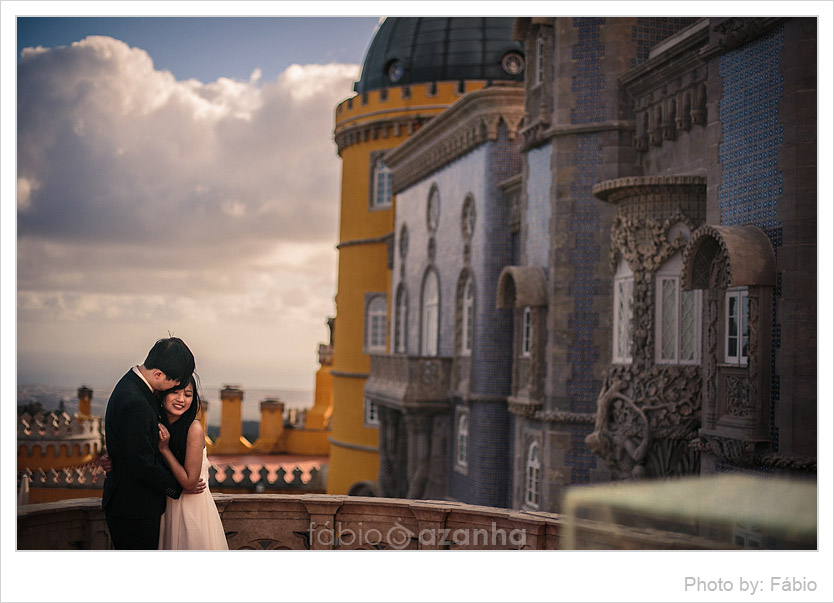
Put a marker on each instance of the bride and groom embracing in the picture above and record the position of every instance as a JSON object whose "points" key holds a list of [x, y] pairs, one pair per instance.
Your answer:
{"points": [[155, 494]]}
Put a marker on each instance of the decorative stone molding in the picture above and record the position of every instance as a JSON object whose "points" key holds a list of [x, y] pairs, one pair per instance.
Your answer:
{"points": [[728, 256], [471, 121], [314, 482], [734, 32], [668, 91], [746, 454]]}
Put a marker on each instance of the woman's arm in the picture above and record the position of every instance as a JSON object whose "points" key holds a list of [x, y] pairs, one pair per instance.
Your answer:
{"points": [[189, 474]]}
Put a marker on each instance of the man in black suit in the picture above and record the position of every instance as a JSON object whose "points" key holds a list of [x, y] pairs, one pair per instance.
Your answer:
{"points": [[138, 480]]}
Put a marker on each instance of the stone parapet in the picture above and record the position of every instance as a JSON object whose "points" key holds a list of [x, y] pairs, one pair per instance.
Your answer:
{"points": [[315, 521]]}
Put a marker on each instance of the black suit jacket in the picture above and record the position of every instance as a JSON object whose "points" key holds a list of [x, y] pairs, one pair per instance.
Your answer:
{"points": [[139, 482]]}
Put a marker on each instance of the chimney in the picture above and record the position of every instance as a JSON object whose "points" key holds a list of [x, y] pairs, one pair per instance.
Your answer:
{"points": [[85, 396]]}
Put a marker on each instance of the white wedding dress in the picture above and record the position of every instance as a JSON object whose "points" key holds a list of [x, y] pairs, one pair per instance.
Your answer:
{"points": [[191, 522]]}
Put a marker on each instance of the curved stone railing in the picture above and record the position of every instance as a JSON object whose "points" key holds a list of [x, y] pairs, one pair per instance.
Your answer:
{"points": [[326, 522]]}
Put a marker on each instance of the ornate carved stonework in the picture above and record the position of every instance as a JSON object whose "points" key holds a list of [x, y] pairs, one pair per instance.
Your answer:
{"points": [[668, 91], [646, 412], [746, 454], [738, 395], [737, 31]]}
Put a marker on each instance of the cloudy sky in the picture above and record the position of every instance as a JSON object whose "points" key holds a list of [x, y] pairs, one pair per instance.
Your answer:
{"points": [[179, 175]]}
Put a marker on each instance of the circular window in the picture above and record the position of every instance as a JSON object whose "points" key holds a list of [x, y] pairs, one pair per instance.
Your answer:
{"points": [[513, 63], [395, 71]]}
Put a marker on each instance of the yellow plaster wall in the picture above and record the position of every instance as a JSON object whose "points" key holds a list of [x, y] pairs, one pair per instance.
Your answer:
{"points": [[363, 267]]}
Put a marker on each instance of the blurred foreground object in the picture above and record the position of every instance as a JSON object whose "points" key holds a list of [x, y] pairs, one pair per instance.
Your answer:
{"points": [[741, 511]]}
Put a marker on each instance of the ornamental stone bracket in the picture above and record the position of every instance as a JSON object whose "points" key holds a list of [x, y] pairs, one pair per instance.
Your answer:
{"points": [[471, 121], [668, 92]]}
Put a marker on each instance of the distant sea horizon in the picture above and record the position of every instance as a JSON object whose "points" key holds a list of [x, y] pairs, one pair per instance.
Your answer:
{"points": [[50, 397]]}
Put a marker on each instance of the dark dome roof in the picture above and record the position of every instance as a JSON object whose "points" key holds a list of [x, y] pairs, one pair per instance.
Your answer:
{"points": [[410, 50]]}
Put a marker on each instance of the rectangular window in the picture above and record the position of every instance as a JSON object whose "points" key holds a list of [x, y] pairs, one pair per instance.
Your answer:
{"points": [[467, 327], [677, 322], [735, 326], [382, 185], [371, 413], [539, 59], [375, 322], [623, 299], [526, 331]]}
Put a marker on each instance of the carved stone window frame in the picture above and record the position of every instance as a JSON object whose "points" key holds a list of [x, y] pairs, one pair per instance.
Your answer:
{"points": [[521, 287], [735, 397], [533, 470]]}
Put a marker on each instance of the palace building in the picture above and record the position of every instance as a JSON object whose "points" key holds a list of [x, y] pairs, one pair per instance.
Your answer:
{"points": [[597, 265]]}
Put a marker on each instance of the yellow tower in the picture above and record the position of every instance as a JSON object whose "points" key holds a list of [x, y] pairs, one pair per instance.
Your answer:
{"points": [[231, 440], [409, 75]]}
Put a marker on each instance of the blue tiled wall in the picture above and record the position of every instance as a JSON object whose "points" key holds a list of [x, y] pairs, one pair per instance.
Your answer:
{"points": [[489, 475], [751, 182]]}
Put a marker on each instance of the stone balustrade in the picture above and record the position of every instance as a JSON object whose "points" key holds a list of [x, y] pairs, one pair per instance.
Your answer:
{"points": [[409, 382], [327, 522], [49, 426], [91, 477]]}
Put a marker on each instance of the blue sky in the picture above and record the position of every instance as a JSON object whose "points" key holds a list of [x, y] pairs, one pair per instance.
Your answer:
{"points": [[206, 48]]}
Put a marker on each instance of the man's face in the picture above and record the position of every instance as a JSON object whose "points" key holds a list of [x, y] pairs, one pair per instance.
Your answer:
{"points": [[162, 382]]}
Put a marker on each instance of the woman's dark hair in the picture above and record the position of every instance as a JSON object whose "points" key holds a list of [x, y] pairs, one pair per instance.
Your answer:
{"points": [[179, 428]]}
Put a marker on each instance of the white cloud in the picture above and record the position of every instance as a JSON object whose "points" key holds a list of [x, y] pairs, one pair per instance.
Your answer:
{"points": [[143, 200]]}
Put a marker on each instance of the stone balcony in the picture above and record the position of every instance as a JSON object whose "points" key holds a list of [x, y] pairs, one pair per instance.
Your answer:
{"points": [[328, 522], [410, 382]]}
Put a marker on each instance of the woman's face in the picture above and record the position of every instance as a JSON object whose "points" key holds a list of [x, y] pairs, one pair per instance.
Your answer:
{"points": [[178, 401]]}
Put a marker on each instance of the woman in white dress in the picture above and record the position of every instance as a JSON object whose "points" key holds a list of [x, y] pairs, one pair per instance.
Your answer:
{"points": [[189, 522]]}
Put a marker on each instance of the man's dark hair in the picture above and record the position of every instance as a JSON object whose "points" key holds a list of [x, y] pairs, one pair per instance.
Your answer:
{"points": [[172, 357]]}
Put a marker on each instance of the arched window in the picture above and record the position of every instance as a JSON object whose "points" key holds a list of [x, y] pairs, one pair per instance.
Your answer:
{"points": [[677, 317], [623, 300], [467, 318], [431, 315], [462, 452], [400, 320], [382, 185], [375, 325], [533, 476]]}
